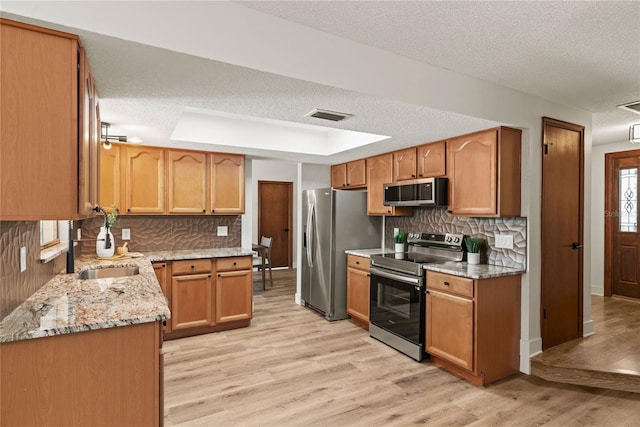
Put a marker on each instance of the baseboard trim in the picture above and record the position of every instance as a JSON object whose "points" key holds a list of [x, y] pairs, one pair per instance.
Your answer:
{"points": [[528, 349], [597, 290], [587, 328]]}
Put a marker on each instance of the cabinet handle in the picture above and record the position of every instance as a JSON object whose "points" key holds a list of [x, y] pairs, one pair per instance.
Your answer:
{"points": [[164, 323], [193, 266], [389, 211], [446, 283], [368, 275], [413, 176], [164, 265], [348, 184], [235, 263], [213, 210], [218, 275], [420, 175], [204, 211], [128, 210], [209, 276]]}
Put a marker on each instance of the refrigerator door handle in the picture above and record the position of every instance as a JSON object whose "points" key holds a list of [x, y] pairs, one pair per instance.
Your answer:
{"points": [[310, 216]]}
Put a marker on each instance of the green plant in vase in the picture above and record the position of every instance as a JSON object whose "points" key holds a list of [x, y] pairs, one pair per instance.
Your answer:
{"points": [[474, 245], [400, 240]]}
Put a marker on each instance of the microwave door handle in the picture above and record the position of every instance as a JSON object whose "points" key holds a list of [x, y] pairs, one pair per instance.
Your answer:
{"points": [[310, 215]]}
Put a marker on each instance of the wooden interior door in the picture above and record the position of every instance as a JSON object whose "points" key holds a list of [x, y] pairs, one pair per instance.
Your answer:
{"points": [[562, 231], [275, 219], [622, 247]]}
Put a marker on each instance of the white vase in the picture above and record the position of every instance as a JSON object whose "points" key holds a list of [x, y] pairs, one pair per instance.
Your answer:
{"points": [[473, 258], [399, 247], [101, 251]]}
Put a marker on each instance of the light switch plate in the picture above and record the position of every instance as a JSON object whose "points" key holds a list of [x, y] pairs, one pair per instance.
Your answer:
{"points": [[223, 230], [23, 259], [504, 241], [126, 234]]}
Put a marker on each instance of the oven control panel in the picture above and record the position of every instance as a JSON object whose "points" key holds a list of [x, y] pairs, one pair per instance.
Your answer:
{"points": [[425, 239]]}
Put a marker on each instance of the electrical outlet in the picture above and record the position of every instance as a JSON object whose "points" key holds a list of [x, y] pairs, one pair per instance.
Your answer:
{"points": [[223, 230], [79, 234], [23, 259], [504, 241], [396, 231], [126, 234]]}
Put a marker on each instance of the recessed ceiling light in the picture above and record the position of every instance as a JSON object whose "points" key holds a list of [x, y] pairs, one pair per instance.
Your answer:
{"points": [[634, 107], [333, 116]]}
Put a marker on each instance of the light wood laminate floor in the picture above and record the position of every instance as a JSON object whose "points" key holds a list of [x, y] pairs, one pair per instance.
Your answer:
{"points": [[293, 368]]}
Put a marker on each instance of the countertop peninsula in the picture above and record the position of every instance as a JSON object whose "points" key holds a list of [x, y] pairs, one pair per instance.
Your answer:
{"points": [[67, 304]]}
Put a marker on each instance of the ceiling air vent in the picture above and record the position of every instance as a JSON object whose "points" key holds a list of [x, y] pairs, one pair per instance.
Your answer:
{"points": [[334, 116], [634, 107]]}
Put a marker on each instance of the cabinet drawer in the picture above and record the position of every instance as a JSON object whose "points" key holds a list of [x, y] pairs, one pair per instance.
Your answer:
{"points": [[234, 263], [447, 283], [191, 266], [358, 262]]}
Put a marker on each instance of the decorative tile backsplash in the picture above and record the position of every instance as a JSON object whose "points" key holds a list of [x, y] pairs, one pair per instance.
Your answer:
{"points": [[437, 220], [164, 233], [16, 286]]}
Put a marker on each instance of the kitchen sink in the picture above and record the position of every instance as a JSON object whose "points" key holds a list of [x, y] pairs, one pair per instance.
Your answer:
{"points": [[101, 273]]}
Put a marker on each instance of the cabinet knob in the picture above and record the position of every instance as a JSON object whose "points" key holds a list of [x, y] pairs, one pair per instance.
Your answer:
{"points": [[235, 263], [204, 211], [218, 275], [420, 175], [347, 184], [164, 265], [446, 283], [357, 262], [209, 276], [193, 266], [128, 210], [389, 211], [413, 176]]}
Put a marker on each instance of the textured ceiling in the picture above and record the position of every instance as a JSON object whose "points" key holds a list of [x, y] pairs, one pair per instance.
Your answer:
{"points": [[579, 54]]}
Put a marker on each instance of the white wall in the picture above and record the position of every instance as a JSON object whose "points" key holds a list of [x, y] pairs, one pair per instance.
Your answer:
{"points": [[597, 210]]}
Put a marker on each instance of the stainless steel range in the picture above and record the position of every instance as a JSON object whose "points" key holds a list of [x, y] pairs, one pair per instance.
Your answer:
{"points": [[397, 297]]}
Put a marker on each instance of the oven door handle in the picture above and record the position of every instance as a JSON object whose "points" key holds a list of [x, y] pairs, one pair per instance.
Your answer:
{"points": [[417, 281]]}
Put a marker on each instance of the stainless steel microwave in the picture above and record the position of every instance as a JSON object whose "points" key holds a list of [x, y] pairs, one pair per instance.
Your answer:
{"points": [[422, 192]]}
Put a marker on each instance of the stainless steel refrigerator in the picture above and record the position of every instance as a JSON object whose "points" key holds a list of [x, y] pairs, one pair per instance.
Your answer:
{"points": [[333, 221]]}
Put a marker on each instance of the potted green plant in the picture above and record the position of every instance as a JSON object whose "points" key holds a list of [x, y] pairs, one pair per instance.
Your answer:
{"points": [[400, 240], [474, 244]]}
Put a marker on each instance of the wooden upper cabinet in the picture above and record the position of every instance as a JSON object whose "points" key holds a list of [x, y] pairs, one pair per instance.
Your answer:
{"points": [[339, 175], [227, 184], [39, 116], [88, 146], [380, 172], [143, 180], [431, 159], [110, 177], [484, 173], [404, 164], [187, 182], [349, 175]]}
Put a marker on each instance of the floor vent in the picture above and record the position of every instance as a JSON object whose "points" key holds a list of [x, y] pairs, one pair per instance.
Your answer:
{"points": [[634, 107], [333, 116]]}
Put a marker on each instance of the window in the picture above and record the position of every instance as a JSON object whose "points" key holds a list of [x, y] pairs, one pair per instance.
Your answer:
{"points": [[49, 235], [628, 198]]}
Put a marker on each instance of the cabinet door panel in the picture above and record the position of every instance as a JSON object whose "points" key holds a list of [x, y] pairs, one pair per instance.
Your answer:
{"points": [[234, 296], [191, 301], [432, 160], [227, 184], [449, 328], [144, 180], [404, 164], [110, 179], [358, 294], [160, 268], [379, 172], [39, 116], [187, 177], [474, 173], [339, 175], [357, 173]]}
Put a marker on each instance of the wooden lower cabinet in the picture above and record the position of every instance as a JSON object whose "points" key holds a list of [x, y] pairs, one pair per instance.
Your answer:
{"points": [[207, 295], [358, 290], [105, 377], [473, 326], [162, 271], [234, 289]]}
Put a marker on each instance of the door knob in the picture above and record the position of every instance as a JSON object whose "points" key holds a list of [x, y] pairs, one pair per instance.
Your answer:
{"points": [[575, 245], [286, 230]]}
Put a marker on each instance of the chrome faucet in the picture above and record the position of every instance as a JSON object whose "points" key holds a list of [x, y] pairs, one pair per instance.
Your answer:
{"points": [[70, 254]]}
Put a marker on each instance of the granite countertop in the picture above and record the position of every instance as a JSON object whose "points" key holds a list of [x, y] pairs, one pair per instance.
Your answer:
{"points": [[197, 254], [366, 253], [67, 304], [480, 271]]}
